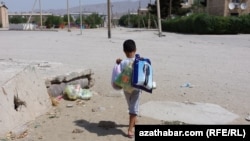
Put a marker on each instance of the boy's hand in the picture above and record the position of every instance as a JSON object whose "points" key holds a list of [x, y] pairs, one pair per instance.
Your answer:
{"points": [[118, 61]]}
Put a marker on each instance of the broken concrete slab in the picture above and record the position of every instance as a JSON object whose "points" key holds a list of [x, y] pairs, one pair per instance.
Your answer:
{"points": [[57, 84], [22, 98], [24, 95], [187, 112], [9, 68]]}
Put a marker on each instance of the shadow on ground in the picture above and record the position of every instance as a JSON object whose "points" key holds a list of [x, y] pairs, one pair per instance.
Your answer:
{"points": [[103, 128]]}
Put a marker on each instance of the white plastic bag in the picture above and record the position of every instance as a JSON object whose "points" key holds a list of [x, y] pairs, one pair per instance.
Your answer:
{"points": [[115, 73], [74, 92], [85, 94]]}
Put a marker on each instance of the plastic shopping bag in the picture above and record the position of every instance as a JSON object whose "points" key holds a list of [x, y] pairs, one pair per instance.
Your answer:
{"points": [[124, 79], [74, 92], [115, 73]]}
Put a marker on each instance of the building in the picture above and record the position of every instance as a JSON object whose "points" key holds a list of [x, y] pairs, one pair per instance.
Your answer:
{"points": [[4, 19], [222, 7], [142, 11], [228, 7]]}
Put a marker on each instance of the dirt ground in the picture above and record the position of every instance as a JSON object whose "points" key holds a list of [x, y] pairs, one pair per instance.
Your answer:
{"points": [[217, 66]]}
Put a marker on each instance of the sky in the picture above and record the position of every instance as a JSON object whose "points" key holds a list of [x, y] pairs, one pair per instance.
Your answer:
{"points": [[27, 5]]}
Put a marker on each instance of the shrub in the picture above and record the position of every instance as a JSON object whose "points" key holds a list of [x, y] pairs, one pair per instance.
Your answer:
{"points": [[234, 25], [203, 24], [245, 24], [93, 20], [53, 21], [17, 19], [207, 24]]}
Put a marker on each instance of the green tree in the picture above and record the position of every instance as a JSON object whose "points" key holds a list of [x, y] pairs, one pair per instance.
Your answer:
{"points": [[123, 21], [198, 6], [93, 20], [36, 20], [65, 19], [17, 19], [53, 21], [129, 20], [137, 21], [78, 20]]}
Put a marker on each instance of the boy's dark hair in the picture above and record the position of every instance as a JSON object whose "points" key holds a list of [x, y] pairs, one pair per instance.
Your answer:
{"points": [[129, 46]]}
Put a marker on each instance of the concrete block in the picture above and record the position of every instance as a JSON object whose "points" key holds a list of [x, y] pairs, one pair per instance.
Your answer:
{"points": [[22, 98]]}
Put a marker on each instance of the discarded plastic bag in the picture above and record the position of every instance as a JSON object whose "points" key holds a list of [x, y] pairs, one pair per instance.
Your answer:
{"points": [[85, 94], [74, 92]]}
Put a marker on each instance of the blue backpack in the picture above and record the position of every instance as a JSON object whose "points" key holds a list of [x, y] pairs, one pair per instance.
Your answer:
{"points": [[142, 74]]}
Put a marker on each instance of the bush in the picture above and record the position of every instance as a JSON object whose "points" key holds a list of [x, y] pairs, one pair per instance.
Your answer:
{"points": [[245, 24], [204, 24], [135, 21], [93, 20], [17, 20], [53, 21], [234, 25], [220, 25], [207, 24]]}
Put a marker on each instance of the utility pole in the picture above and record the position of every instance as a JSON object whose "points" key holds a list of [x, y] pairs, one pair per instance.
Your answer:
{"points": [[41, 18], [159, 17], [149, 20], [109, 19], [128, 17], [112, 16], [31, 12], [80, 16], [68, 16], [170, 9]]}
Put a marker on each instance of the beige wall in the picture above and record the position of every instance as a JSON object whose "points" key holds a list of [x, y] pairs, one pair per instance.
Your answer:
{"points": [[216, 7], [247, 11], [4, 19], [220, 8], [142, 11]]}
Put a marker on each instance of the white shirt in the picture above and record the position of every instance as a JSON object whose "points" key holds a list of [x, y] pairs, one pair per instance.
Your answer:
{"points": [[126, 62]]}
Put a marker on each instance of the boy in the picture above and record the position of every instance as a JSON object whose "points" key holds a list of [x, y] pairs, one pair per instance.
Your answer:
{"points": [[132, 96]]}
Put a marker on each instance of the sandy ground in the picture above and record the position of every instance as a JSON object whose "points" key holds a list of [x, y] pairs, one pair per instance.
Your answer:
{"points": [[217, 67]]}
